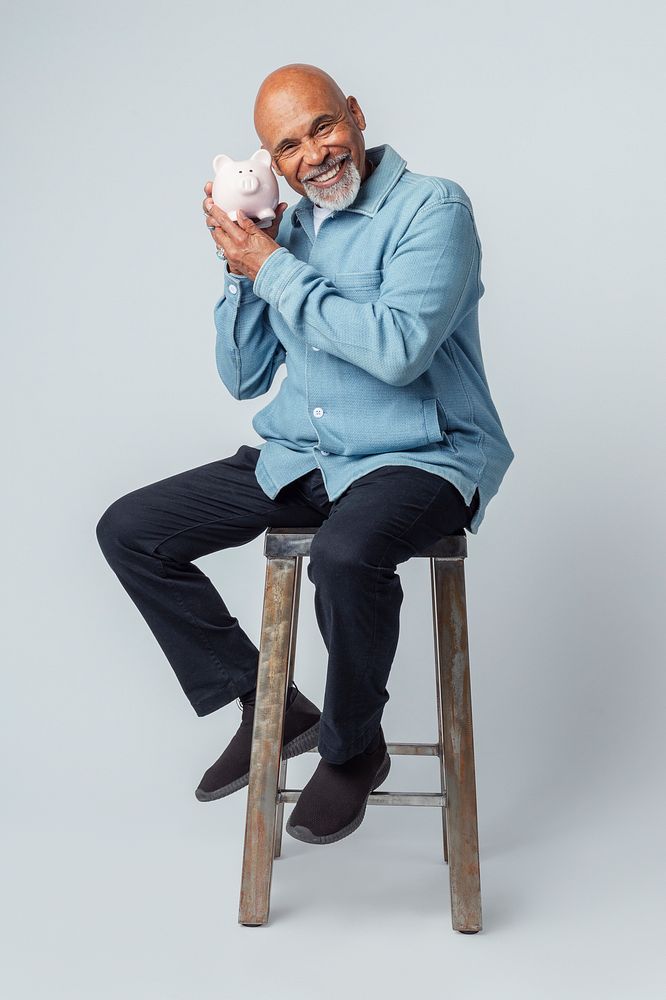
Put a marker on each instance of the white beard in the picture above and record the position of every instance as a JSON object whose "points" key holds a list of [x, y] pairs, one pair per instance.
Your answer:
{"points": [[339, 195]]}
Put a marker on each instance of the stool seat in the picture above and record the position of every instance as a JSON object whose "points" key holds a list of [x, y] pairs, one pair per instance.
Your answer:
{"points": [[284, 549], [286, 543]]}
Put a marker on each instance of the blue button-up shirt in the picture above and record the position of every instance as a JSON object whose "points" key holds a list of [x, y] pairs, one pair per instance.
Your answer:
{"points": [[376, 319]]}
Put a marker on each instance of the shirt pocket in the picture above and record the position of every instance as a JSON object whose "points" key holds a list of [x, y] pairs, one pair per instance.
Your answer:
{"points": [[437, 423], [359, 286]]}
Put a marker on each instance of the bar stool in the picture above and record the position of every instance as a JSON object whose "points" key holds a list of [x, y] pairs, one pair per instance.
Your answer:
{"points": [[285, 549]]}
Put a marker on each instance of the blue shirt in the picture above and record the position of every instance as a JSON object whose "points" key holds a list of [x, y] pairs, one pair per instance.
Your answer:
{"points": [[376, 319]]}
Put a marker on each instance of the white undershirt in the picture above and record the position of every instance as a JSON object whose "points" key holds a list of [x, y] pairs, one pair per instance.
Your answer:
{"points": [[318, 215]]}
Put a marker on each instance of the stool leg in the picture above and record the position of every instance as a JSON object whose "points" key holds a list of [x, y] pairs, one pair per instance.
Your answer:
{"points": [[282, 780], [267, 741], [456, 709], [440, 721]]}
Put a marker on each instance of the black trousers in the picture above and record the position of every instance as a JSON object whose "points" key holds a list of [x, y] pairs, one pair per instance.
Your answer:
{"points": [[151, 537]]}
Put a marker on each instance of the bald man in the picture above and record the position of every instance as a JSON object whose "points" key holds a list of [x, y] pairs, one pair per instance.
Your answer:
{"points": [[383, 436]]}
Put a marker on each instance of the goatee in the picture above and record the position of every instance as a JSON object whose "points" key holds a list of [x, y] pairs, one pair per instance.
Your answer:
{"points": [[342, 193]]}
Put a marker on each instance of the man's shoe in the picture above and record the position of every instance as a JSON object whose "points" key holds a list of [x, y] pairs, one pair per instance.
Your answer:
{"points": [[333, 803], [231, 771]]}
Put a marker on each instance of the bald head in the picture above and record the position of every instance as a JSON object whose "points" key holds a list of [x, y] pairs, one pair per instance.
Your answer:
{"points": [[284, 90]]}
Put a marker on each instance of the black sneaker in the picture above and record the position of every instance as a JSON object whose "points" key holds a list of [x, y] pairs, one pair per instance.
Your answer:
{"points": [[231, 771], [333, 803]]}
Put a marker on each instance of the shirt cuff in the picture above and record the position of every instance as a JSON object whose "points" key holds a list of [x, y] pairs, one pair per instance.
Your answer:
{"points": [[238, 288], [275, 273]]}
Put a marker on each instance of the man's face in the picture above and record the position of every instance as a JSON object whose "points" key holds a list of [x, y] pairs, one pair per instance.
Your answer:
{"points": [[316, 144]]}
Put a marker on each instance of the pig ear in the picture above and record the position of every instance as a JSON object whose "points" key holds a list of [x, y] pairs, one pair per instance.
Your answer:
{"points": [[263, 156], [220, 161]]}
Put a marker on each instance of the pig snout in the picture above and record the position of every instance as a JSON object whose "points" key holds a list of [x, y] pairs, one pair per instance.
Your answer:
{"points": [[247, 183]]}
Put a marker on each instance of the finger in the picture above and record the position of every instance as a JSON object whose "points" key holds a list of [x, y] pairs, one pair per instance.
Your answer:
{"points": [[245, 222], [227, 242], [208, 188], [221, 243], [221, 218], [207, 204], [220, 238]]}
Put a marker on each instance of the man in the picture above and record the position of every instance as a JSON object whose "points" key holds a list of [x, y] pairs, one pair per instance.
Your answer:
{"points": [[384, 435]]}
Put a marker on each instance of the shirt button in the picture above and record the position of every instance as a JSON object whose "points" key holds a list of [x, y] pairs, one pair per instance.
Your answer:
{"points": [[325, 452], [315, 348], [318, 412], [232, 288]]}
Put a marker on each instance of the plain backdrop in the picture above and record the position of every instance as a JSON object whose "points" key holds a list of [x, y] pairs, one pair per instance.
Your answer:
{"points": [[116, 882]]}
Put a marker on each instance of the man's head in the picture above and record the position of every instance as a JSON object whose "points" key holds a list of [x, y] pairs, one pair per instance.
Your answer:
{"points": [[309, 127]]}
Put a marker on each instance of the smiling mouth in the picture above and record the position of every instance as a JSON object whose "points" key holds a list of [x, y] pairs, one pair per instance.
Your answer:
{"points": [[330, 180]]}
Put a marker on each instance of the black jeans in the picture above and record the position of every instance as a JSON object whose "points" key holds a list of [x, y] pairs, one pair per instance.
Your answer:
{"points": [[151, 536]]}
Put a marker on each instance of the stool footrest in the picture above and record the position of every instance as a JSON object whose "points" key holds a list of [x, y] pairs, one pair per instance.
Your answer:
{"points": [[419, 749], [381, 798]]}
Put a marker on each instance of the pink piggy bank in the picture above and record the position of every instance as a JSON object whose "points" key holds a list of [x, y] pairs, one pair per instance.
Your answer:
{"points": [[247, 184]]}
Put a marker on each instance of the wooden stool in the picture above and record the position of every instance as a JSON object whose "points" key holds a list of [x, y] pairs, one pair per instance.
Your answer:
{"points": [[284, 549]]}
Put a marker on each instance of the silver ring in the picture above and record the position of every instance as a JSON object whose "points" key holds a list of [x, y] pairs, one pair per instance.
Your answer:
{"points": [[220, 253]]}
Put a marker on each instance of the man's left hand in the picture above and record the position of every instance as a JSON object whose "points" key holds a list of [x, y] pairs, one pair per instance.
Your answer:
{"points": [[244, 244]]}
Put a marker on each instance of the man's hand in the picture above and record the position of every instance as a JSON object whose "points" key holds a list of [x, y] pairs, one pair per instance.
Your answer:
{"points": [[245, 245]]}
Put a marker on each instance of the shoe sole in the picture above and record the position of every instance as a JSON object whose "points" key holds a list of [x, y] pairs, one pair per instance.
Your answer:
{"points": [[302, 832], [300, 744]]}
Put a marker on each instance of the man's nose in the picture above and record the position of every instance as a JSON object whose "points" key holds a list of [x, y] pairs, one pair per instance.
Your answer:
{"points": [[314, 152]]}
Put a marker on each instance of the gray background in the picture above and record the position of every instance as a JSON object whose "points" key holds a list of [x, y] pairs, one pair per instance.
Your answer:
{"points": [[116, 881]]}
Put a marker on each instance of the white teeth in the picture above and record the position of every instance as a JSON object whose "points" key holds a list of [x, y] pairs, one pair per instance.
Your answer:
{"points": [[330, 173]]}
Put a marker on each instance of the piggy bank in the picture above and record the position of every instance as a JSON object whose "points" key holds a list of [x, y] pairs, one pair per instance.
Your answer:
{"points": [[247, 184]]}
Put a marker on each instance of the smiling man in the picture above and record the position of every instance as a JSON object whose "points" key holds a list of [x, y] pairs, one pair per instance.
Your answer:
{"points": [[338, 130], [384, 435]]}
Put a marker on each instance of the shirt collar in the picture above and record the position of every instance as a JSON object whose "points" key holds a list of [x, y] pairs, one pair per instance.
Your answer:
{"points": [[389, 167]]}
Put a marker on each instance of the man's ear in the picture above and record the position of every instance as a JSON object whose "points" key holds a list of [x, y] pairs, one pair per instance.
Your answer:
{"points": [[356, 112]]}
